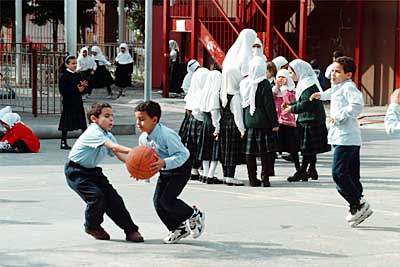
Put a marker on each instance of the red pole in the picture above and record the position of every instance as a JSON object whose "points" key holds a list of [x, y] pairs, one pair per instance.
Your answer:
{"points": [[358, 48], [165, 62], [269, 46], [303, 29], [397, 44], [193, 33]]}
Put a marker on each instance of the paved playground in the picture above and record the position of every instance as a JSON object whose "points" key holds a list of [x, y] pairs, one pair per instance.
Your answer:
{"points": [[297, 224]]}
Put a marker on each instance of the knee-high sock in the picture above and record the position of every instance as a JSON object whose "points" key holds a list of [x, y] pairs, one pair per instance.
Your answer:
{"points": [[213, 166], [206, 167]]}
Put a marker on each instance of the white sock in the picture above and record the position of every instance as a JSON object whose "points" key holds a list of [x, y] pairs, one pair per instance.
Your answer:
{"points": [[206, 167], [195, 171], [213, 166]]}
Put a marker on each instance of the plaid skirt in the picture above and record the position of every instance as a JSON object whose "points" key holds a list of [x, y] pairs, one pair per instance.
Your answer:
{"points": [[189, 133], [288, 138], [260, 141], [209, 148], [313, 139], [230, 142], [72, 120]]}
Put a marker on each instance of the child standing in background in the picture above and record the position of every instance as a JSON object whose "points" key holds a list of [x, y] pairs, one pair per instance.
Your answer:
{"points": [[208, 139], [310, 120], [261, 121], [71, 88], [285, 92], [232, 125], [124, 62], [102, 77], [86, 68]]}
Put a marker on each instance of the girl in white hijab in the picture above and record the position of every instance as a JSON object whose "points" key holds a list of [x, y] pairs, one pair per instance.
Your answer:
{"points": [[258, 49], [232, 127], [191, 124], [280, 62], [102, 77], [208, 140], [192, 65], [174, 77], [86, 68], [240, 53], [124, 62], [260, 120], [3, 112], [311, 119]]}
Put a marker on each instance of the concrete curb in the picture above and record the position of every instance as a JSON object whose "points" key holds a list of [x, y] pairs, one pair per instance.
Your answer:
{"points": [[52, 132]]}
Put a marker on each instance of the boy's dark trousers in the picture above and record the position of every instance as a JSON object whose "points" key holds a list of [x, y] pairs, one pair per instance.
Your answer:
{"points": [[346, 173], [171, 210], [100, 196]]}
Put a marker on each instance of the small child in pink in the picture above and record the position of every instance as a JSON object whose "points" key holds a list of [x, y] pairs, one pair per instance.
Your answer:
{"points": [[284, 92]]}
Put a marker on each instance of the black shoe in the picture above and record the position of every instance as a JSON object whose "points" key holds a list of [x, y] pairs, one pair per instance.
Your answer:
{"points": [[288, 158], [265, 183], [208, 180], [203, 179], [255, 183], [217, 181], [65, 146], [313, 174], [271, 173], [194, 177], [298, 176]]}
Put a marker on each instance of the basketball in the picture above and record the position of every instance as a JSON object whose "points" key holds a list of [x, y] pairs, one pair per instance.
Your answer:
{"points": [[139, 160]]}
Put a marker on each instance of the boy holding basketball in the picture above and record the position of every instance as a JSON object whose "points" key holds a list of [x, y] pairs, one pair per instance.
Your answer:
{"points": [[88, 180], [175, 168]]}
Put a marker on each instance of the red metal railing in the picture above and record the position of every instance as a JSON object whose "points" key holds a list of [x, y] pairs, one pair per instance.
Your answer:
{"points": [[180, 8], [282, 47]]}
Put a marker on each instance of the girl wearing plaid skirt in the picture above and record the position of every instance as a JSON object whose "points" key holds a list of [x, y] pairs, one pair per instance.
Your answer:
{"points": [[209, 148], [191, 125], [311, 119], [261, 121], [232, 125]]}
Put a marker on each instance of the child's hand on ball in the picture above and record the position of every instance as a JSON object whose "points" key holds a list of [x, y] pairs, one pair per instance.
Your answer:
{"points": [[158, 165]]}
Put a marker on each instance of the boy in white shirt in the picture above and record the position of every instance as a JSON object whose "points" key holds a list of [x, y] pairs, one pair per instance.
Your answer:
{"points": [[345, 136], [392, 118]]}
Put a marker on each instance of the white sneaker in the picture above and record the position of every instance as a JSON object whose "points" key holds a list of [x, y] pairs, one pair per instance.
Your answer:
{"points": [[233, 181], [196, 223], [174, 236], [358, 215]]}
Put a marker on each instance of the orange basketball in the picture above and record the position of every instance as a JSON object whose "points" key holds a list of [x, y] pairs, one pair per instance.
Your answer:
{"points": [[139, 160]]}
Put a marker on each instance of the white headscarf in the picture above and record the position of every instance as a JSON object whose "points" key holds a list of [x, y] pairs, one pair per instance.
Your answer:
{"points": [[290, 86], [196, 86], [279, 62], [85, 62], [173, 45], [231, 78], [99, 56], [240, 53], [124, 58], [191, 67], [3, 112], [210, 94], [305, 75], [257, 51], [11, 119], [248, 87]]}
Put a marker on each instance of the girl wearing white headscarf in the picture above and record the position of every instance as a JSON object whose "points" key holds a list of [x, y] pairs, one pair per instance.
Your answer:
{"points": [[240, 53], [86, 68], [3, 112], [102, 77], [18, 138], [280, 62], [260, 119], [285, 91], [311, 119], [208, 140], [191, 125], [232, 126], [192, 65], [174, 77], [124, 63]]}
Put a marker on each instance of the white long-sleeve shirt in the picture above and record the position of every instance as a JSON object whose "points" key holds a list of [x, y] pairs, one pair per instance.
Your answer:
{"points": [[346, 105], [237, 110], [392, 119]]}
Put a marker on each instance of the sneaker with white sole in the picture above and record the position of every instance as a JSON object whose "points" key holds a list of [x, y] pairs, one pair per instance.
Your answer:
{"points": [[196, 223], [358, 214], [233, 181], [174, 236]]}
